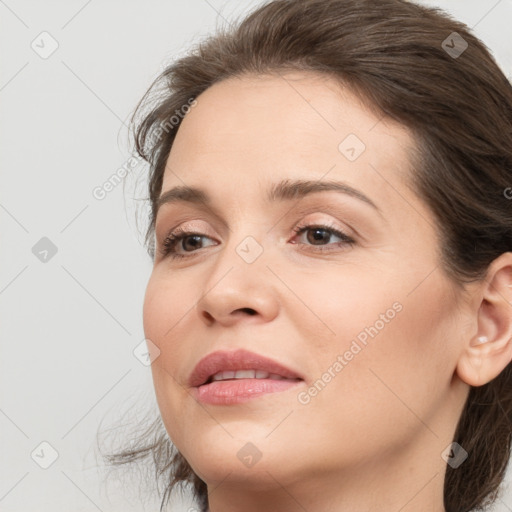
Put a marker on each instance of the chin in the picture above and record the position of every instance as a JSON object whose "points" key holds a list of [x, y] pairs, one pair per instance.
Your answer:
{"points": [[224, 466], [214, 455]]}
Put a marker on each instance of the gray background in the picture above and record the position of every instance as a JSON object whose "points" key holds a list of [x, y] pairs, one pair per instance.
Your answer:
{"points": [[71, 321]]}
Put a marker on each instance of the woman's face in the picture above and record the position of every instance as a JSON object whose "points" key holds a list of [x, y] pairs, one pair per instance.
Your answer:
{"points": [[368, 320]]}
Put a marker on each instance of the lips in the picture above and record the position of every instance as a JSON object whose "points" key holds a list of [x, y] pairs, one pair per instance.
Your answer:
{"points": [[238, 360]]}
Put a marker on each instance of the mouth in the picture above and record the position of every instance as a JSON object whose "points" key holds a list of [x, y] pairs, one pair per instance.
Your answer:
{"points": [[244, 374], [225, 378]]}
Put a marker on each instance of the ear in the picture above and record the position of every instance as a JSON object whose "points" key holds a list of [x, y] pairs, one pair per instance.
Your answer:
{"points": [[490, 349]]}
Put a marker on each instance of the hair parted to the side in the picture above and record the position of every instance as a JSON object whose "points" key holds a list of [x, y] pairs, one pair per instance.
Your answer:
{"points": [[459, 110]]}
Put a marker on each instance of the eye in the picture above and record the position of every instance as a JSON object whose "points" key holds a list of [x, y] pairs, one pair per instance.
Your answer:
{"points": [[179, 236], [319, 233], [323, 232]]}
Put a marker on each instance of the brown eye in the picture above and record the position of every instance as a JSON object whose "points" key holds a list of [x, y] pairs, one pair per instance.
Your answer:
{"points": [[317, 234], [181, 238]]}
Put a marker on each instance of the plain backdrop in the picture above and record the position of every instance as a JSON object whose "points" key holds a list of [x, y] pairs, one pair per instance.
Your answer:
{"points": [[73, 268]]}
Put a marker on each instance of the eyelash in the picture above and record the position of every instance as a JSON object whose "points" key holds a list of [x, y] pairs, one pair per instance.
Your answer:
{"points": [[179, 234]]}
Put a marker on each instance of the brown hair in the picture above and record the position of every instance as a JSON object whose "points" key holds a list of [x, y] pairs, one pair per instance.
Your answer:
{"points": [[405, 62]]}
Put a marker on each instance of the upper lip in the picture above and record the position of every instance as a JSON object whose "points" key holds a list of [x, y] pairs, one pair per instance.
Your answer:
{"points": [[240, 359]]}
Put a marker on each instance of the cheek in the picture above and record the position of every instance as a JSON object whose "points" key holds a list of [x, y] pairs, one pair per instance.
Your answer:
{"points": [[169, 305], [164, 304], [341, 305], [390, 367], [165, 307]]}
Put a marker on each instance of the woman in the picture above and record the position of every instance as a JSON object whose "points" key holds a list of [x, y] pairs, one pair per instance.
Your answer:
{"points": [[331, 228]]}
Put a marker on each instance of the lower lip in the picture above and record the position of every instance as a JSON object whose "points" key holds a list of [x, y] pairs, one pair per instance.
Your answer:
{"points": [[228, 392]]}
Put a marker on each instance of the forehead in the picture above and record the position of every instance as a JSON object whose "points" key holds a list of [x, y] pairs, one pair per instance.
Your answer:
{"points": [[248, 132]]}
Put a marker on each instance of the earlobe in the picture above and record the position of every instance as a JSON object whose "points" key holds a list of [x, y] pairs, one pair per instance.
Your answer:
{"points": [[479, 340], [489, 351], [481, 362]]}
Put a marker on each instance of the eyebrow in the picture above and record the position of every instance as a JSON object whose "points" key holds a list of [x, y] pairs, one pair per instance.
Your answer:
{"points": [[282, 191]]}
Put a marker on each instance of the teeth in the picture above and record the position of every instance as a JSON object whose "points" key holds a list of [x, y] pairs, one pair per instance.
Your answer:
{"points": [[224, 375], [246, 374]]}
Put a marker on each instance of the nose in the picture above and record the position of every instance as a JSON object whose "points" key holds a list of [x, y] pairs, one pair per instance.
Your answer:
{"points": [[238, 291]]}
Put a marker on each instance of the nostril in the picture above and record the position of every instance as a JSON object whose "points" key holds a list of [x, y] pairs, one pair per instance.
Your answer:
{"points": [[208, 316], [249, 311]]}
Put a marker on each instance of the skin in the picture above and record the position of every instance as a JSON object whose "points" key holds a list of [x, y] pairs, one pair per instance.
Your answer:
{"points": [[372, 438]]}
